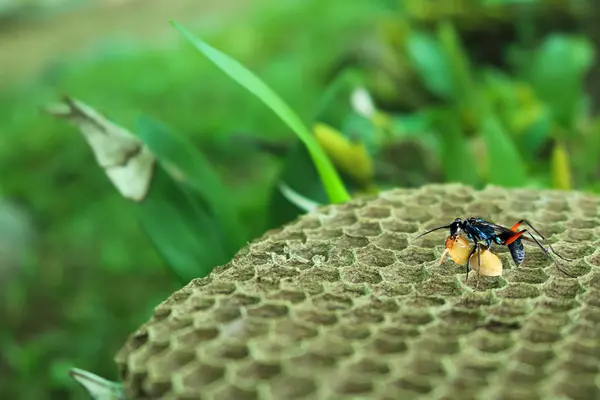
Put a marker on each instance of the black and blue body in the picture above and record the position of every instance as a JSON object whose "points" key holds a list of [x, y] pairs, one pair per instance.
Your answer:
{"points": [[480, 231]]}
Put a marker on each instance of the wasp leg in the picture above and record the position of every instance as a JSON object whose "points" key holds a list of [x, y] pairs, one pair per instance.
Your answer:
{"points": [[517, 235], [478, 266], [516, 226], [475, 248], [524, 221]]}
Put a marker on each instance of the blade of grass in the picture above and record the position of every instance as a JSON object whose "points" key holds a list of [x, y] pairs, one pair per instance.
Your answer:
{"points": [[332, 182]]}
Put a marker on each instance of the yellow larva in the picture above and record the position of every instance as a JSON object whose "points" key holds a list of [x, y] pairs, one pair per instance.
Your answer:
{"points": [[458, 249]]}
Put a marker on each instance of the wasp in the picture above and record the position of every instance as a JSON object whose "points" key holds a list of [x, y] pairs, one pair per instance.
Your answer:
{"points": [[479, 230]]}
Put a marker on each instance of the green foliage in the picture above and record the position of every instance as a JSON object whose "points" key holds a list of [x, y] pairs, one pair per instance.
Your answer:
{"points": [[429, 60], [333, 185], [556, 74], [187, 213], [493, 123], [505, 166]]}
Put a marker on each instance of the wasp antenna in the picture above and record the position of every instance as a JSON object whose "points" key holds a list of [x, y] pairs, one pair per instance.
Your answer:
{"points": [[433, 230]]}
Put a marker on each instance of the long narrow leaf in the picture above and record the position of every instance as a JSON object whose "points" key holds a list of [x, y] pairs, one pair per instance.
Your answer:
{"points": [[460, 68], [457, 159], [431, 64], [332, 182], [189, 166], [183, 232], [505, 165]]}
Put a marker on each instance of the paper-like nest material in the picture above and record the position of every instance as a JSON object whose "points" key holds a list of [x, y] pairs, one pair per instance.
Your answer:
{"points": [[342, 303]]}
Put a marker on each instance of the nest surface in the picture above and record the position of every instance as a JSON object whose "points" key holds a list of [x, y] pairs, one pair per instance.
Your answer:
{"points": [[343, 303]]}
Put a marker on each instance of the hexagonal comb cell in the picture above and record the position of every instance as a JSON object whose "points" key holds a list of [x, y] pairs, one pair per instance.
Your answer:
{"points": [[345, 303]]}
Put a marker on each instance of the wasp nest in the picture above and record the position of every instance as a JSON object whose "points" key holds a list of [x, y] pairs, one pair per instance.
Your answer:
{"points": [[343, 302]]}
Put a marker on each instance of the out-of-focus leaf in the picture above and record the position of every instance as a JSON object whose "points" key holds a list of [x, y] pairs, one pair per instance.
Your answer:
{"points": [[560, 169], [458, 64], [127, 162], [417, 126], [457, 160], [431, 64], [187, 214], [188, 166], [505, 165], [181, 203], [300, 175], [332, 182], [351, 157], [358, 129], [557, 74], [535, 133], [508, 2], [406, 125], [336, 90], [97, 387], [362, 102], [302, 202], [584, 160], [182, 229], [527, 121]]}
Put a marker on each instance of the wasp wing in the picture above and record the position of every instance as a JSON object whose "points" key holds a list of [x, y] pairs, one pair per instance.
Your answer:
{"points": [[502, 231]]}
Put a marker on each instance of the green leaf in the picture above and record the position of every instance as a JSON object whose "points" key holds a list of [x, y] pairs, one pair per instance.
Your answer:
{"points": [[505, 165], [431, 64], [557, 75], [457, 159], [332, 182], [187, 214], [359, 129], [300, 175], [532, 139], [189, 166], [184, 233], [463, 88], [560, 167], [97, 387], [416, 125], [338, 89]]}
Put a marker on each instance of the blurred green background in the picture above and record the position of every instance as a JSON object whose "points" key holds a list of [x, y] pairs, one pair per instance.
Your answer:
{"points": [[398, 93]]}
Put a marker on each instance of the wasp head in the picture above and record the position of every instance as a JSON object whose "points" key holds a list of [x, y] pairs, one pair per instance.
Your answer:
{"points": [[456, 227]]}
